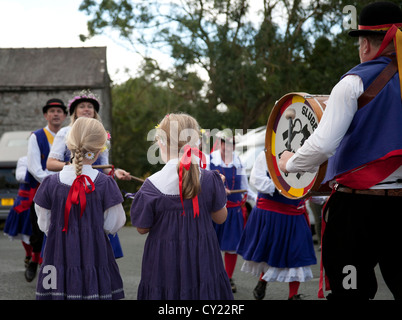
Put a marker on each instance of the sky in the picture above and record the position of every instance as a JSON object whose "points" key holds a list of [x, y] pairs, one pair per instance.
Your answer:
{"points": [[58, 23]]}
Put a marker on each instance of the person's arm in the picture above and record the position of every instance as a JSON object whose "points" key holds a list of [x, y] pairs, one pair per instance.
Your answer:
{"points": [[43, 218], [322, 144], [143, 230], [114, 219], [220, 216], [55, 160], [21, 170], [259, 178], [34, 160], [54, 164]]}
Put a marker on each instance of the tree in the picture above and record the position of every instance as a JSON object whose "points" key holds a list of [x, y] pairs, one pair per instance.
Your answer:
{"points": [[248, 64]]}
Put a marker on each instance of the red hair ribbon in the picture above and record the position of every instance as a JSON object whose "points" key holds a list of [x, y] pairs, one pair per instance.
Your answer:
{"points": [[77, 195], [185, 162], [393, 34]]}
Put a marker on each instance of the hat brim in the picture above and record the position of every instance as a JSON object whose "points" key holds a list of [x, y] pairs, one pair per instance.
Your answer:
{"points": [[47, 107], [361, 33], [78, 101]]}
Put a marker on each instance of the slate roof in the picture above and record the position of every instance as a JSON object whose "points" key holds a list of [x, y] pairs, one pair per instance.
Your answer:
{"points": [[50, 68]]}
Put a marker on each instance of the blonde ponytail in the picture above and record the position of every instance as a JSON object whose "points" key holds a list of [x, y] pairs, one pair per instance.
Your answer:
{"points": [[188, 132]]}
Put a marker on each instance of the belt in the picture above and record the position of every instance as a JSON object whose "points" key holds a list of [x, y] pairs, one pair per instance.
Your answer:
{"points": [[372, 192]]}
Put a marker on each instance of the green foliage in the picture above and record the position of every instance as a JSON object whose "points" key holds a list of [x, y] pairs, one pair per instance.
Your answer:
{"points": [[247, 63]]}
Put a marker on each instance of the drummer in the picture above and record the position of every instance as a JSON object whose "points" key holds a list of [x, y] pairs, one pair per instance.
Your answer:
{"points": [[364, 147]]}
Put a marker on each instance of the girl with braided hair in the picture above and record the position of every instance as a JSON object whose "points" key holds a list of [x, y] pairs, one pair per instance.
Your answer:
{"points": [[76, 209], [83, 104]]}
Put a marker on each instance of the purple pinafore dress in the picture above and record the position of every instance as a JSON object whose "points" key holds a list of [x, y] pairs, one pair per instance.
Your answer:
{"points": [[81, 260], [182, 259]]}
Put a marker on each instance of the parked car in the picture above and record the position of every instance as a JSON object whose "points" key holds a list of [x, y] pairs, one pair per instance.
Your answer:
{"points": [[13, 145]]}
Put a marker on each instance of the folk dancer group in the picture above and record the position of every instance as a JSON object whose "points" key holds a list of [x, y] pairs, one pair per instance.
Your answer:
{"points": [[191, 212]]}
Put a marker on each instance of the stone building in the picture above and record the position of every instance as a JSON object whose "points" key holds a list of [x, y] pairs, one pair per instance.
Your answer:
{"points": [[31, 76]]}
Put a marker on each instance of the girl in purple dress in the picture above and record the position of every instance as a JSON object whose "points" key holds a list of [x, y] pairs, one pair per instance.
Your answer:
{"points": [[176, 207], [76, 209]]}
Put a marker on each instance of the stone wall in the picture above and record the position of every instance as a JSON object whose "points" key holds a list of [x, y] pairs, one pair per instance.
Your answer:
{"points": [[22, 110]]}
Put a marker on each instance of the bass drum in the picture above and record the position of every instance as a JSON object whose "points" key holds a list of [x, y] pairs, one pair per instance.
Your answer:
{"points": [[292, 120]]}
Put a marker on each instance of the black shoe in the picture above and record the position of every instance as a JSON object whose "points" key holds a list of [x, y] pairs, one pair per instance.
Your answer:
{"points": [[259, 290], [232, 284], [296, 297], [30, 272]]}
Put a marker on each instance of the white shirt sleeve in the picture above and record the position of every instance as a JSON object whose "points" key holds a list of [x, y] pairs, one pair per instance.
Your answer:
{"points": [[43, 218], [338, 114], [34, 160], [59, 146], [21, 170], [115, 218], [259, 178]]}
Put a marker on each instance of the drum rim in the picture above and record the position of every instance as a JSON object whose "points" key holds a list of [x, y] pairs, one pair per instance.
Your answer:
{"points": [[320, 174]]}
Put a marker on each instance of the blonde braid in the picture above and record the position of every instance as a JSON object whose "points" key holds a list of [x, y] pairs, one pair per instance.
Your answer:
{"points": [[78, 159]]}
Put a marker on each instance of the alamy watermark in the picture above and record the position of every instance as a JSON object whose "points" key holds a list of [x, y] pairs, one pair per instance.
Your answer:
{"points": [[209, 140], [350, 22], [350, 280]]}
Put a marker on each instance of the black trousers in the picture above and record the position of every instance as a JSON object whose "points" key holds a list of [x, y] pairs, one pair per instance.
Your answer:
{"points": [[36, 238], [361, 232]]}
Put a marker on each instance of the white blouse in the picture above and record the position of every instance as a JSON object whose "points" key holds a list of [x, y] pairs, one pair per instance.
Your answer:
{"points": [[114, 217], [259, 178]]}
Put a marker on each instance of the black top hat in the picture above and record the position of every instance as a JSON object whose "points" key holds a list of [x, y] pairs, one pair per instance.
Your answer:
{"points": [[54, 103], [377, 18]]}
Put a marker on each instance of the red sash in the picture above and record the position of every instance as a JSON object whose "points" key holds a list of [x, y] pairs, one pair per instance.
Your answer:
{"points": [[279, 207], [26, 204], [242, 204]]}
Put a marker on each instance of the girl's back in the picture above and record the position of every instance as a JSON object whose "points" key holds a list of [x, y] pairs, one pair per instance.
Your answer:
{"points": [[181, 258]]}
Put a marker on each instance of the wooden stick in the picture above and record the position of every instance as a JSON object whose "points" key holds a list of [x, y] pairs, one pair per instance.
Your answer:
{"points": [[102, 166], [106, 166], [136, 178], [238, 191]]}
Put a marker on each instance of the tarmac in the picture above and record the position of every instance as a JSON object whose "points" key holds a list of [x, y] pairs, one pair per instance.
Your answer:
{"points": [[13, 285]]}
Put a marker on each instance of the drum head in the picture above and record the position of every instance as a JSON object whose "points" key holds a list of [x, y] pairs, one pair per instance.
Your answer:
{"points": [[300, 114]]}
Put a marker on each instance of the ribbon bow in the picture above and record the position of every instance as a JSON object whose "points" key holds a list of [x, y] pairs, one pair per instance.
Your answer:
{"points": [[77, 195], [393, 34], [185, 162]]}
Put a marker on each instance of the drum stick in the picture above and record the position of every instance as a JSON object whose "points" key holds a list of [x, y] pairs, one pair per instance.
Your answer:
{"points": [[238, 191], [102, 166], [106, 166], [290, 114], [136, 178]]}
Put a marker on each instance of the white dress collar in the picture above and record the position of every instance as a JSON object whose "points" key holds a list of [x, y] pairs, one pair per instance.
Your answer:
{"points": [[216, 160], [67, 174], [167, 179]]}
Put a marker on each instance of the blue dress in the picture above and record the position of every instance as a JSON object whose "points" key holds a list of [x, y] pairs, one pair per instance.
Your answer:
{"points": [[19, 223], [230, 231], [276, 240]]}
